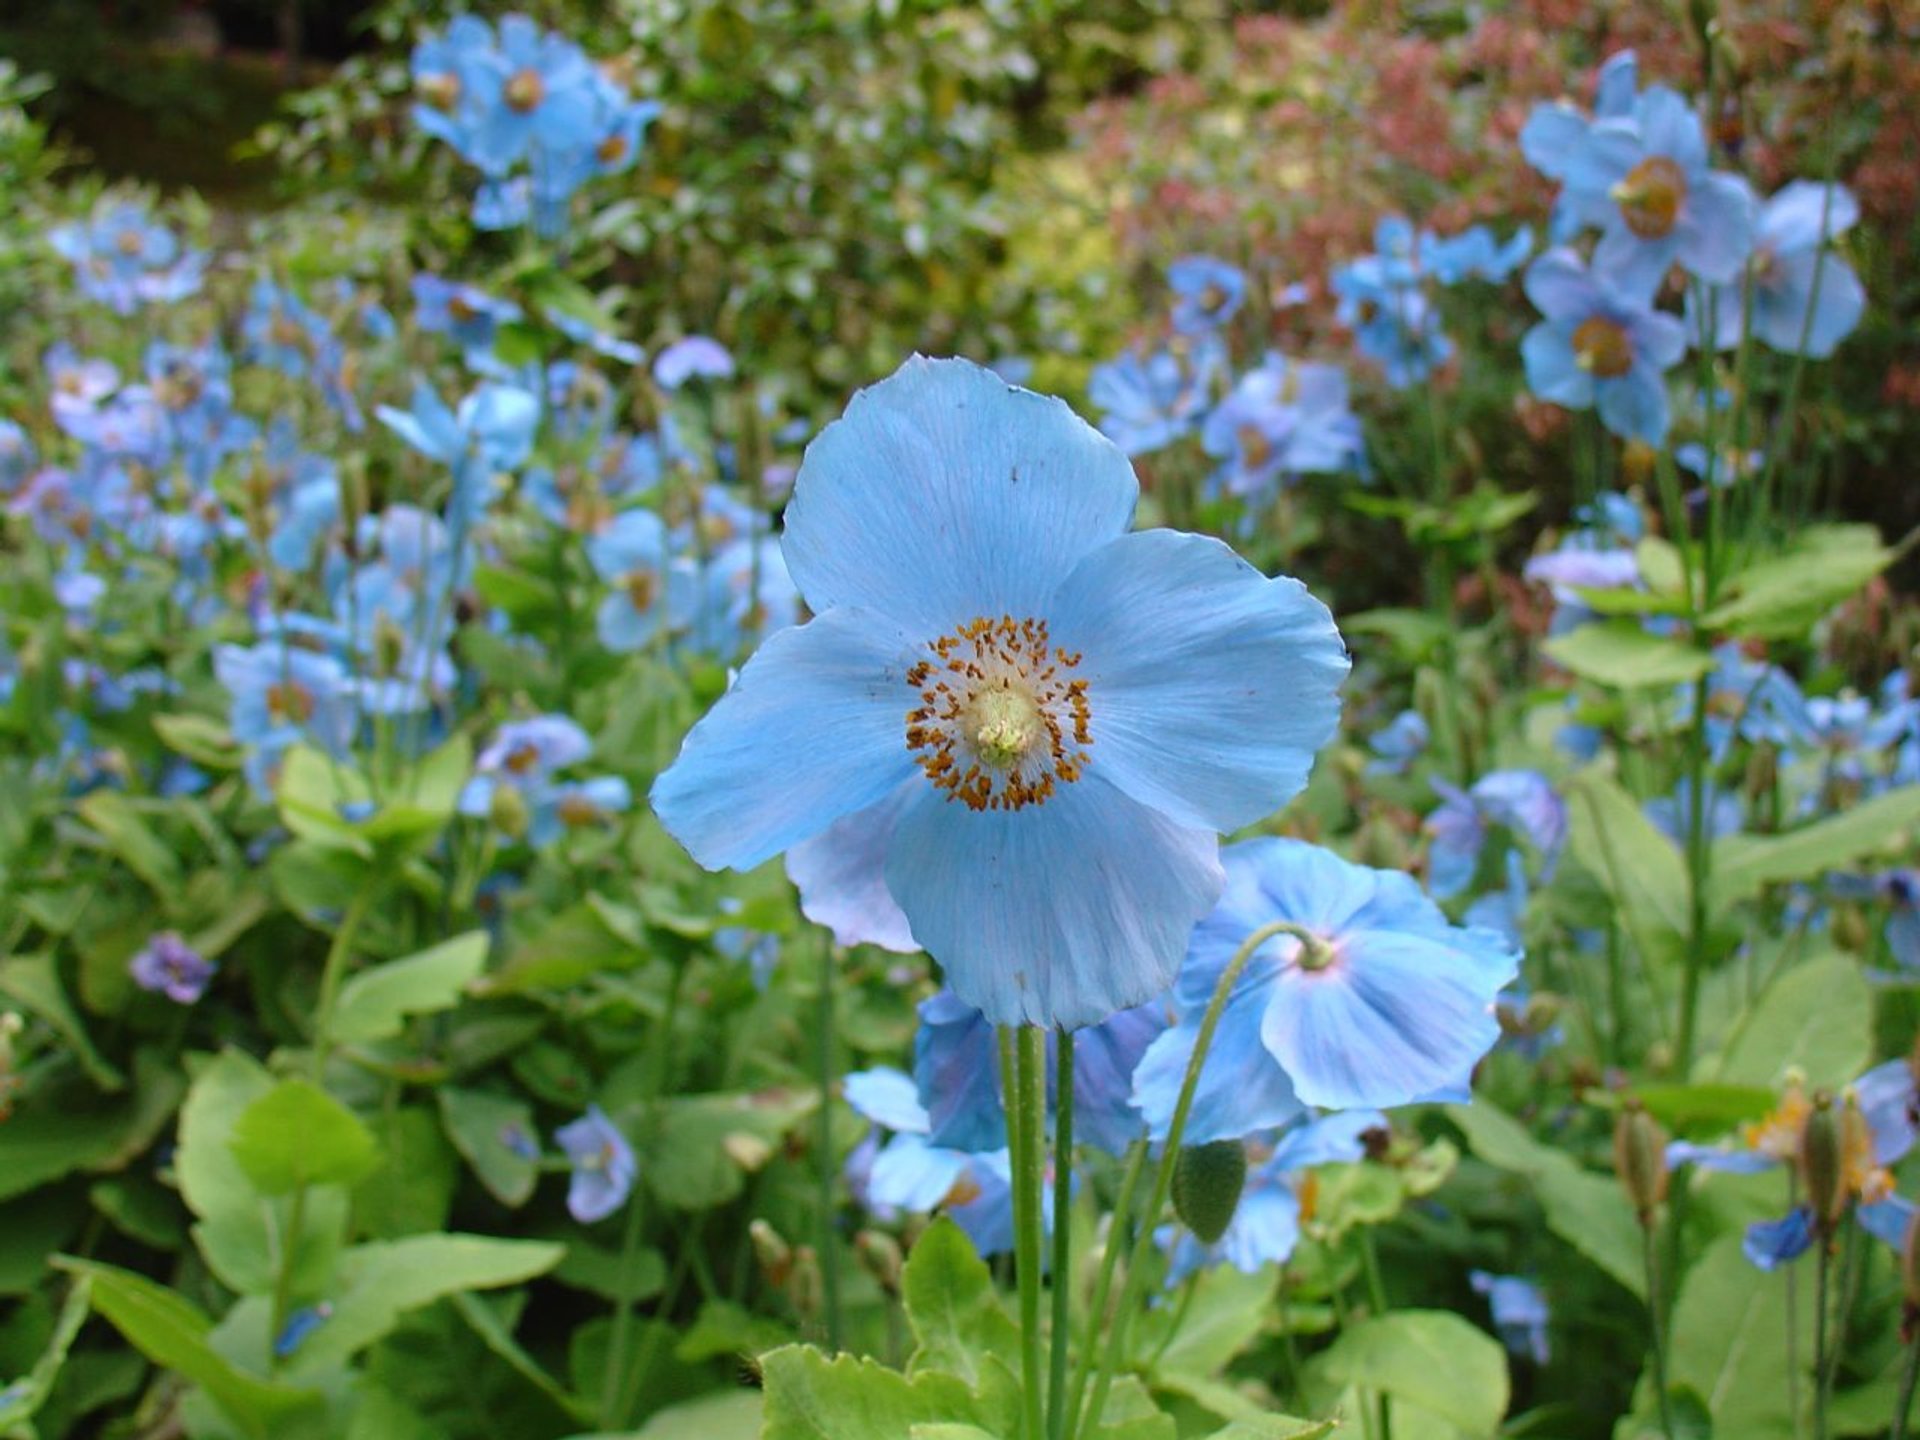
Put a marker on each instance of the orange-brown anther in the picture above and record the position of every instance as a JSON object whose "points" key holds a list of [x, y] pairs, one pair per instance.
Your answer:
{"points": [[1650, 197], [524, 91], [1601, 348], [1000, 722]]}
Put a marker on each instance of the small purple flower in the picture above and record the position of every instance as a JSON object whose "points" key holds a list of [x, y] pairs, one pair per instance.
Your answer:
{"points": [[604, 1167], [171, 967]]}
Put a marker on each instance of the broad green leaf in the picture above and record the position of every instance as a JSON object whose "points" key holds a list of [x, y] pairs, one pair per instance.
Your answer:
{"points": [[1588, 1211], [381, 1281], [811, 1397], [1729, 1343], [127, 835], [1431, 1358], [375, 1004], [318, 882], [1743, 864], [1621, 654], [171, 1333], [1781, 597], [1704, 1110], [1639, 868], [483, 1320], [693, 1165], [487, 1129], [570, 947], [412, 1190], [201, 739], [1414, 634], [1229, 1311], [71, 1127], [297, 1135], [1275, 1427], [21, 1401], [943, 1430], [733, 1415], [314, 793], [33, 982], [952, 1306], [32, 1227], [232, 1228], [1817, 1016]]}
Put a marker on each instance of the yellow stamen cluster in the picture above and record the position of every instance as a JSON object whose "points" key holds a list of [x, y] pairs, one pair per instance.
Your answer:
{"points": [[999, 723], [1602, 349], [1650, 197]]}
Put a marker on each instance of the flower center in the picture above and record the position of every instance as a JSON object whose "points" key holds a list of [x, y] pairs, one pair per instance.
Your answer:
{"points": [[525, 90], [1650, 197], [130, 242], [999, 722], [440, 90], [642, 589], [612, 150], [1255, 449], [290, 701], [1601, 348]]}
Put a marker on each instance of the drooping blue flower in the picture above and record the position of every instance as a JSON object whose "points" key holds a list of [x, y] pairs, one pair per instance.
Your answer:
{"points": [[1667, 207], [1147, 402], [1207, 293], [1804, 298], [910, 1173], [491, 431], [1078, 711], [169, 966], [1600, 345], [1524, 801], [1520, 1313], [1281, 419], [1370, 998], [603, 1163], [1769, 1244]]}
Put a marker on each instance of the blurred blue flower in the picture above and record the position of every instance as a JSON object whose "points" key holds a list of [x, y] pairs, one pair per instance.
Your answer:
{"points": [[1146, 402], [696, 357], [1520, 1313], [1281, 419], [123, 257], [603, 1163], [1207, 293], [1803, 298], [630, 555], [1398, 744], [1556, 131], [1600, 344], [168, 965], [910, 1173]]}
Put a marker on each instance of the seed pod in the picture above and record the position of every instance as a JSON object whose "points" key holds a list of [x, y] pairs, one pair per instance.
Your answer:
{"points": [[1207, 1181], [1640, 1159], [1823, 1153]]}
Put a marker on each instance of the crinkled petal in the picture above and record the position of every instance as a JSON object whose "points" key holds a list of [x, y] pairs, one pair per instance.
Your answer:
{"points": [[841, 874], [1058, 913], [944, 494], [1211, 686], [887, 1097]]}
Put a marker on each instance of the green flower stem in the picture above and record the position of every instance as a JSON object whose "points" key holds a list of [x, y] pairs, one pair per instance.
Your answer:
{"points": [[1026, 1048], [1117, 1229], [828, 1242], [1908, 1375], [1377, 1303], [1131, 1296], [1062, 1267], [1821, 1277], [1647, 1250]]}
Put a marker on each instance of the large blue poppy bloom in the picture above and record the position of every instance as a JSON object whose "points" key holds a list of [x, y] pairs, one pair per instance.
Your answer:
{"points": [[1667, 207], [1601, 344], [1377, 1000], [1076, 711], [1805, 299], [1556, 130]]}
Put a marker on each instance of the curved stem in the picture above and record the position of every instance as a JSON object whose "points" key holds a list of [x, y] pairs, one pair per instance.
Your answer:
{"points": [[1130, 1296], [1062, 1235]]}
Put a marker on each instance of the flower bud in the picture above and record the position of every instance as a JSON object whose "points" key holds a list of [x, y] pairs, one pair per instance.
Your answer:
{"points": [[772, 1251], [1640, 1159], [509, 811], [1823, 1162], [1207, 1181], [879, 1254]]}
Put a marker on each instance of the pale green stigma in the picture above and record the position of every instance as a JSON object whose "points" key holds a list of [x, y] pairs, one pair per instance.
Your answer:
{"points": [[1004, 724]]}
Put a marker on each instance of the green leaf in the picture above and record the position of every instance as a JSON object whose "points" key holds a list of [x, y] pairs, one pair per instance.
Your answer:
{"points": [[734, 1415], [127, 835], [33, 982], [1817, 1016], [375, 1004], [809, 1397], [691, 1164], [201, 739], [21, 1401], [171, 1333], [412, 1190], [952, 1306], [1705, 1110], [1621, 654], [298, 1135], [71, 1127], [480, 1124], [1414, 634], [313, 793], [486, 1323], [1729, 1342], [1275, 1427], [1430, 1358], [381, 1281], [1590, 1212], [1229, 1311], [1781, 597], [1743, 864], [1639, 868]]}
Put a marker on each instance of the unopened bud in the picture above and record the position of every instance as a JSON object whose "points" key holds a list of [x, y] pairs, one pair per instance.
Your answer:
{"points": [[509, 811], [1823, 1162], [746, 1150], [1207, 1181], [1640, 1159], [806, 1285], [879, 1254], [773, 1252]]}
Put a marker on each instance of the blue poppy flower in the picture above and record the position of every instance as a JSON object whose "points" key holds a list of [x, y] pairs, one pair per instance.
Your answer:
{"points": [[1398, 744], [492, 431], [909, 1172], [1394, 322], [1283, 418], [1147, 402], [1520, 1313], [1376, 1001], [1207, 293], [1556, 130], [695, 357], [168, 965], [1077, 710], [575, 805], [1600, 344], [631, 556], [1667, 207], [1804, 298], [123, 257], [603, 1164], [1473, 254], [1524, 801]]}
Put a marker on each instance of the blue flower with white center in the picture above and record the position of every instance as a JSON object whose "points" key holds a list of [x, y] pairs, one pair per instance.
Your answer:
{"points": [[1076, 711], [1147, 402], [1369, 998], [1600, 345], [1283, 418], [1667, 208], [631, 556], [1266, 1223], [1207, 293], [603, 1163], [1556, 130], [1520, 1313], [1804, 298]]}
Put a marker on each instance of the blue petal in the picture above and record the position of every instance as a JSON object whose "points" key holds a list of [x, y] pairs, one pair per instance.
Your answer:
{"points": [[1549, 137], [956, 1066], [814, 729], [1802, 212], [1716, 228], [1552, 373], [1560, 287], [887, 1097], [1242, 1089], [1669, 127], [1105, 1059], [1890, 1104], [1210, 686], [841, 874], [944, 494], [913, 1175], [1773, 1243], [1780, 307], [1059, 913], [1887, 1220], [1634, 406], [1330, 1140], [1264, 1230]]}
